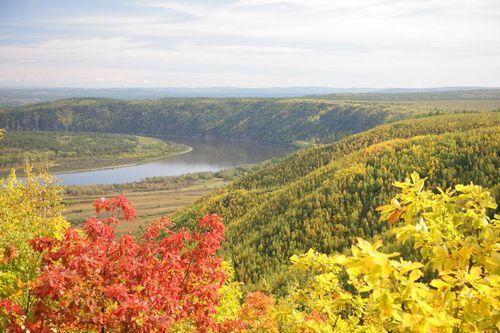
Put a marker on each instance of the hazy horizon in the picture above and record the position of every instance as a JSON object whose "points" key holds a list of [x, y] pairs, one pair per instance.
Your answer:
{"points": [[90, 87]]}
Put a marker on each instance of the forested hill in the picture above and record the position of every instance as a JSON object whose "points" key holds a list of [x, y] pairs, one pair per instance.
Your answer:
{"points": [[292, 121], [324, 197], [409, 95]]}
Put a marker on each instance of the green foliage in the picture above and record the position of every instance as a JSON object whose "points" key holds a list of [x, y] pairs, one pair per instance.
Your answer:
{"points": [[471, 94], [325, 197], [77, 150], [372, 291], [270, 120]]}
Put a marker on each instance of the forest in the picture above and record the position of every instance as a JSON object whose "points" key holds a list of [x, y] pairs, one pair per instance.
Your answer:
{"points": [[58, 278], [388, 225], [324, 197], [250, 166], [60, 151], [295, 121]]}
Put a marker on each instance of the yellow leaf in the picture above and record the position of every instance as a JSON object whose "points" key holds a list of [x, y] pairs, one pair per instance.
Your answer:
{"points": [[385, 305], [415, 275], [438, 283]]}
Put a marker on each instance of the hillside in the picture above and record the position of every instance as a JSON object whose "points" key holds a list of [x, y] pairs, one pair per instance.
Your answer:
{"points": [[419, 95], [25, 95], [290, 121], [76, 151], [324, 197]]}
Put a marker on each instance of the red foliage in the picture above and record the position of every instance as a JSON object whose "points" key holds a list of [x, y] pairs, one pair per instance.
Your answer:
{"points": [[120, 201], [11, 316], [256, 312], [91, 280], [10, 253]]}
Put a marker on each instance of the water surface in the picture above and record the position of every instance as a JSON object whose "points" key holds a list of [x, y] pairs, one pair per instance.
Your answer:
{"points": [[207, 155]]}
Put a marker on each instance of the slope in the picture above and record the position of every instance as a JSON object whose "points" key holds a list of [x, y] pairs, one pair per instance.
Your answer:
{"points": [[285, 121], [324, 197]]}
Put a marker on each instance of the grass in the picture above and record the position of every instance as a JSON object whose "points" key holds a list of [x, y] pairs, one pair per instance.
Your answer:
{"points": [[150, 205]]}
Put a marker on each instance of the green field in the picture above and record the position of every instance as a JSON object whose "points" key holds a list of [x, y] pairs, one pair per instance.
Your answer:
{"points": [[65, 151], [153, 197]]}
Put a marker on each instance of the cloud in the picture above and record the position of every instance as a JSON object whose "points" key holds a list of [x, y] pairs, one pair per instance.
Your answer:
{"points": [[256, 42]]}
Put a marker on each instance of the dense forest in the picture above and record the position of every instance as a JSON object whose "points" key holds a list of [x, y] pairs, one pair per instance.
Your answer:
{"points": [[58, 278], [324, 197], [290, 121], [23, 96], [409, 95], [69, 151], [299, 247]]}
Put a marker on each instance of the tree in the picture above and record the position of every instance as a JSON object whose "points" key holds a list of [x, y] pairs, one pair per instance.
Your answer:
{"points": [[453, 288], [28, 209], [91, 281]]}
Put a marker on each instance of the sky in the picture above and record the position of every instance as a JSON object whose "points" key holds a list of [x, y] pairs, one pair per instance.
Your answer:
{"points": [[250, 43]]}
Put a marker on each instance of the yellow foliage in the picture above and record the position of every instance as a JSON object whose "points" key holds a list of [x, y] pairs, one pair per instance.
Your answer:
{"points": [[29, 208], [230, 296], [455, 287]]}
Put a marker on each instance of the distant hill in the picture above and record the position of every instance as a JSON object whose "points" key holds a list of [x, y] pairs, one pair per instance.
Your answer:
{"points": [[10, 96], [21, 96], [294, 121], [285, 121], [323, 197], [418, 94]]}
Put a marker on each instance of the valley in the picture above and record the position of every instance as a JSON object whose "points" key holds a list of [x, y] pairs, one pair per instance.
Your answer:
{"points": [[286, 175], [204, 155], [217, 127], [250, 166]]}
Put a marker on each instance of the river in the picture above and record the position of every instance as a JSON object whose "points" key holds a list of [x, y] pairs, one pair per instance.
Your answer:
{"points": [[207, 155]]}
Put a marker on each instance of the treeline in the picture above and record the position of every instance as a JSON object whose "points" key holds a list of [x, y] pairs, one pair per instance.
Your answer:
{"points": [[80, 150], [402, 95], [159, 183], [325, 197], [307, 160], [271, 120]]}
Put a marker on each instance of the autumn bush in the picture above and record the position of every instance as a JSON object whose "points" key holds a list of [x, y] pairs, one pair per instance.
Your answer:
{"points": [[92, 281], [28, 209], [454, 287], [55, 278]]}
